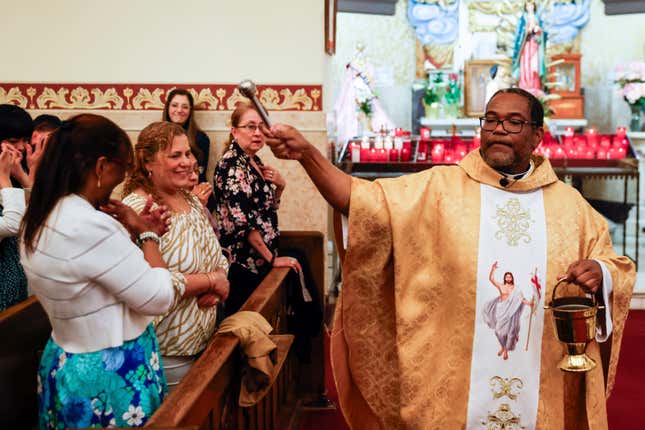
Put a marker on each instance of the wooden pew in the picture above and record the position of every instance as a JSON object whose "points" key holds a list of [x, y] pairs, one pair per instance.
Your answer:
{"points": [[312, 378], [208, 394], [24, 330]]}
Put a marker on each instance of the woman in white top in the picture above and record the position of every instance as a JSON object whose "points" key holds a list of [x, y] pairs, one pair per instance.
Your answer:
{"points": [[101, 366], [163, 167]]}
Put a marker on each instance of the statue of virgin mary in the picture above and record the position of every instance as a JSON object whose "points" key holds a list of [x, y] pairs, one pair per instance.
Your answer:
{"points": [[528, 66]]}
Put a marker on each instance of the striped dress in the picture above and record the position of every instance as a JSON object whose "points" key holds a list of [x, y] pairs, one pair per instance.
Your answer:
{"points": [[190, 246]]}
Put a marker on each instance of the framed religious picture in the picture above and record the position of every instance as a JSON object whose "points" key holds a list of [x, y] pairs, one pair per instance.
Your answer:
{"points": [[477, 75], [331, 6]]}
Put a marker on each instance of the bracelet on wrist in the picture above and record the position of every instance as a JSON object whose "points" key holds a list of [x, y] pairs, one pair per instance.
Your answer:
{"points": [[148, 235], [211, 282]]}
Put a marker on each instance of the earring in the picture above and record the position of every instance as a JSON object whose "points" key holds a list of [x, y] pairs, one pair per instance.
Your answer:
{"points": [[149, 173], [98, 183]]}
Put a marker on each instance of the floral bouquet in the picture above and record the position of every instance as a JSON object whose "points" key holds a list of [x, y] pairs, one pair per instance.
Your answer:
{"points": [[544, 99], [631, 80], [441, 98]]}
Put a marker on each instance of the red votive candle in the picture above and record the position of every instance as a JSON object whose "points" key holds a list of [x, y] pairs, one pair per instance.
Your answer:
{"points": [[558, 152], [621, 132], [437, 153], [448, 158], [422, 151], [592, 137], [406, 154], [394, 154], [365, 154]]}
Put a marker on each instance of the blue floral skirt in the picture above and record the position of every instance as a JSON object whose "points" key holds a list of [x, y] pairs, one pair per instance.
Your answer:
{"points": [[114, 387]]}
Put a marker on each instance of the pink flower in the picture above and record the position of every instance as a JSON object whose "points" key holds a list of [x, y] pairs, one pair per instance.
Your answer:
{"points": [[633, 92], [238, 214]]}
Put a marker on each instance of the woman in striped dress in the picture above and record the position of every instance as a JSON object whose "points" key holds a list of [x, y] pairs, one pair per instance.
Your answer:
{"points": [[163, 167]]}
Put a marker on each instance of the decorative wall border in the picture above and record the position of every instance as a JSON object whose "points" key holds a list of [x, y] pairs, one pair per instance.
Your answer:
{"points": [[138, 97]]}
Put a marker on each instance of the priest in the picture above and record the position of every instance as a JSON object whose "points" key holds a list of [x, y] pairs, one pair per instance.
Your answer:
{"points": [[411, 347]]}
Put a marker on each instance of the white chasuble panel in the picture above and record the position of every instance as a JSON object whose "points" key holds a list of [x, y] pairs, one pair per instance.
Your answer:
{"points": [[511, 268]]}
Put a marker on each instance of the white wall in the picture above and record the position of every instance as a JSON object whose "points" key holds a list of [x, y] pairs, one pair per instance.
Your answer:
{"points": [[162, 41], [608, 40]]}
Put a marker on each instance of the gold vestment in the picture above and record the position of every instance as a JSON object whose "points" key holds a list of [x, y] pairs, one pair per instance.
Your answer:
{"points": [[403, 331]]}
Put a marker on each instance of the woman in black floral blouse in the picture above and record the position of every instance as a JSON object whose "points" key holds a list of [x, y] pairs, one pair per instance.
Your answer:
{"points": [[247, 194]]}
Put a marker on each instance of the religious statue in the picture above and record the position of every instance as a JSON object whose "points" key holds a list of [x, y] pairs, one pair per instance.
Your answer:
{"points": [[528, 65], [358, 110], [499, 80]]}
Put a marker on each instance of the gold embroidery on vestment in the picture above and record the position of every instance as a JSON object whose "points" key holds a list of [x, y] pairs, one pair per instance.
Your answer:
{"points": [[503, 419], [514, 222], [508, 387]]}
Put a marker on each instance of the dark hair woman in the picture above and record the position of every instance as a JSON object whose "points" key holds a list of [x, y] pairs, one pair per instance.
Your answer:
{"points": [[101, 366], [15, 129], [179, 109]]}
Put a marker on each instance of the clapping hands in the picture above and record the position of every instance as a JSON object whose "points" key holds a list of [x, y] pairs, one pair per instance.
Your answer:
{"points": [[155, 220], [203, 191]]}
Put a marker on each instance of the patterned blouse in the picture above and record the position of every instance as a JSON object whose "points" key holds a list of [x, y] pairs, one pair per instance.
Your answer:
{"points": [[189, 246], [245, 202]]}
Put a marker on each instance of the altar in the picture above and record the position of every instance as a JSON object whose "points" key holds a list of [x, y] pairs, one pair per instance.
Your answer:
{"points": [[467, 50]]}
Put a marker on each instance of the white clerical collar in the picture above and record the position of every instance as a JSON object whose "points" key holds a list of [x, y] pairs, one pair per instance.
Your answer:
{"points": [[518, 176]]}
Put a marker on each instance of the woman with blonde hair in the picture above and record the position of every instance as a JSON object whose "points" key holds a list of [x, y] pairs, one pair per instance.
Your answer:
{"points": [[163, 166]]}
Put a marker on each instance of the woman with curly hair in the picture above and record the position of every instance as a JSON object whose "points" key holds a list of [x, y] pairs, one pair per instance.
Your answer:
{"points": [[163, 165]]}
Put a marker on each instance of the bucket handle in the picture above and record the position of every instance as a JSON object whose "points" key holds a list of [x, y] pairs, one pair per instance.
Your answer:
{"points": [[565, 280]]}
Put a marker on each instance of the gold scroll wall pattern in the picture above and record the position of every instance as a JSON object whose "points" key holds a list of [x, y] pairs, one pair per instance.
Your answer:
{"points": [[130, 97]]}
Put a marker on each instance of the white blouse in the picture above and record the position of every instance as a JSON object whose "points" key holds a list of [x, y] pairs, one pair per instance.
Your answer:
{"points": [[190, 246], [93, 282], [13, 209]]}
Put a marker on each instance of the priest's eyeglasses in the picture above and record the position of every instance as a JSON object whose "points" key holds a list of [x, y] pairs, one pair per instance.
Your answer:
{"points": [[512, 125], [251, 128]]}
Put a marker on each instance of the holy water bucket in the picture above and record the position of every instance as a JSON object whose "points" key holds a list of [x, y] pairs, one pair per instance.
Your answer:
{"points": [[575, 325]]}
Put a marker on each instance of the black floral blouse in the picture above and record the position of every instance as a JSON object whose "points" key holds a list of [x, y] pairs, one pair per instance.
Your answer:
{"points": [[244, 202]]}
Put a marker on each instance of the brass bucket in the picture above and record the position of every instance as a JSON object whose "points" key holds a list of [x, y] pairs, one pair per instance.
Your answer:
{"points": [[575, 326]]}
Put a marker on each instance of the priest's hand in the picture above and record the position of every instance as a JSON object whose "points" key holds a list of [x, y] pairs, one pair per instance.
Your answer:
{"points": [[287, 142], [334, 185], [587, 274]]}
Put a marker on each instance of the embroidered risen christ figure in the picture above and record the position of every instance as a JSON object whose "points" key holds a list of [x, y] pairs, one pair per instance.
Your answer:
{"points": [[503, 313]]}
